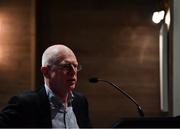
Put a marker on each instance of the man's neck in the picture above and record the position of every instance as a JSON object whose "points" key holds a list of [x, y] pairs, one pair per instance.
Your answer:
{"points": [[63, 96]]}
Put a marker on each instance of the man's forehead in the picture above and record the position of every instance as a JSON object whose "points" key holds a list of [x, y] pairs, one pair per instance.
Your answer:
{"points": [[66, 58]]}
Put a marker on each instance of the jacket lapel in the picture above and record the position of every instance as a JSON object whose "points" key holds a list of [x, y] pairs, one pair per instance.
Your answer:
{"points": [[44, 109]]}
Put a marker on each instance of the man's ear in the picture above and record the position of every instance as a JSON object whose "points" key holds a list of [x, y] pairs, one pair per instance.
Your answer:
{"points": [[45, 71]]}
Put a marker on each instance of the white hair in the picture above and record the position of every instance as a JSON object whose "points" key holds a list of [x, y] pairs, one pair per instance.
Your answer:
{"points": [[50, 54]]}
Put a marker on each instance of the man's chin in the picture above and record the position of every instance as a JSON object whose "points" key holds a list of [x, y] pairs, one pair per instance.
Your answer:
{"points": [[72, 87]]}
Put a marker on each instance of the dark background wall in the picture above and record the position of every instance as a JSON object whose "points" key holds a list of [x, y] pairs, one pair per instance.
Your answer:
{"points": [[113, 39]]}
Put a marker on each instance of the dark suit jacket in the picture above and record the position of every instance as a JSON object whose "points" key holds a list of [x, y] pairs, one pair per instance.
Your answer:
{"points": [[32, 110]]}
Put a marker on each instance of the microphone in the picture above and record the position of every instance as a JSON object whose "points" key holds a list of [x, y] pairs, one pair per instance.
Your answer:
{"points": [[93, 80], [140, 110]]}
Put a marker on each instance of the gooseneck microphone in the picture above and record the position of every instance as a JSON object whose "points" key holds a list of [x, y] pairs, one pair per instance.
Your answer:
{"points": [[140, 110]]}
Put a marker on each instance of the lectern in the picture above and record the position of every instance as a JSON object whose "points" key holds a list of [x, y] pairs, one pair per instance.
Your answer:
{"points": [[148, 122]]}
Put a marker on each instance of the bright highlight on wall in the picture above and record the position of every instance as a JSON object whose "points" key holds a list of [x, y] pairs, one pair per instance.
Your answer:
{"points": [[1, 49], [168, 18], [4, 36], [158, 16], [1, 42]]}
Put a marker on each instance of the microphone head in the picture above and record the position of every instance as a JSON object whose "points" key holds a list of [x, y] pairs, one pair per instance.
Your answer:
{"points": [[93, 80]]}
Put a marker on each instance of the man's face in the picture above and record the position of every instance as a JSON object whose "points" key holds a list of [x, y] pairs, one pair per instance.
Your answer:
{"points": [[63, 74]]}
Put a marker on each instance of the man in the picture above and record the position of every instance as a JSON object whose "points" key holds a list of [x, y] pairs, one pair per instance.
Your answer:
{"points": [[55, 105]]}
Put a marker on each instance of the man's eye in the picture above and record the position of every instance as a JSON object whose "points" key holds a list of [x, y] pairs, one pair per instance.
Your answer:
{"points": [[67, 66]]}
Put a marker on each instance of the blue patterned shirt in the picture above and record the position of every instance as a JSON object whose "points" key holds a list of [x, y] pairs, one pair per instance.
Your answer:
{"points": [[61, 116]]}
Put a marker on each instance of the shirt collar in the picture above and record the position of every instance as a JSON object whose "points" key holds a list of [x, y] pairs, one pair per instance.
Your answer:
{"points": [[55, 100]]}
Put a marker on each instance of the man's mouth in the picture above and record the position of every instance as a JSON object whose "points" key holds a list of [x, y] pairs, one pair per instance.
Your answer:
{"points": [[71, 80]]}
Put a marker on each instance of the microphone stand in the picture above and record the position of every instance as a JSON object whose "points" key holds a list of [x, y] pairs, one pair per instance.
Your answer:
{"points": [[140, 110]]}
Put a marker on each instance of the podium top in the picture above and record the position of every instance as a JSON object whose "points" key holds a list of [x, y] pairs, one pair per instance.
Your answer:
{"points": [[148, 122]]}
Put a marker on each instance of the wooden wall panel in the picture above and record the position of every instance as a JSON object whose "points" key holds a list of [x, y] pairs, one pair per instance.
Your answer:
{"points": [[16, 38]]}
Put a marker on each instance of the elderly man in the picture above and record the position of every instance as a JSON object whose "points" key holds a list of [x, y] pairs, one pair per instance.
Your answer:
{"points": [[55, 105]]}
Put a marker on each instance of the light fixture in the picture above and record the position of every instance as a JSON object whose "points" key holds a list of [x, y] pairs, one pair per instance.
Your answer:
{"points": [[158, 16]]}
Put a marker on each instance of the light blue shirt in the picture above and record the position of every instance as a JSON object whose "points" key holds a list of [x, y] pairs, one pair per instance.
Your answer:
{"points": [[61, 116]]}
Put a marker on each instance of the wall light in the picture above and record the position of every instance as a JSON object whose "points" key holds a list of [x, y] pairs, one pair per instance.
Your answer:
{"points": [[158, 16]]}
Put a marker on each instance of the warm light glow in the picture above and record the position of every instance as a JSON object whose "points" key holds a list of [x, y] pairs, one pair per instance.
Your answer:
{"points": [[3, 38], [158, 16], [0, 40], [1, 54]]}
